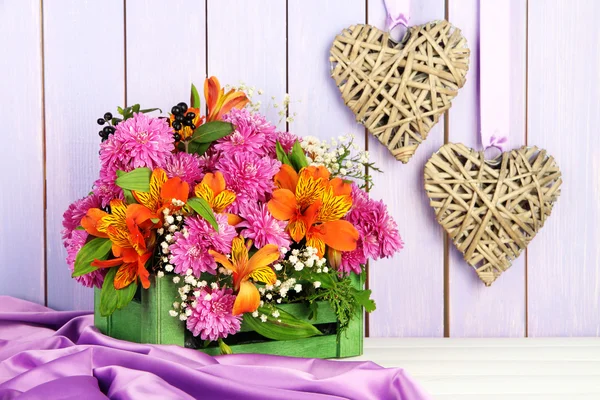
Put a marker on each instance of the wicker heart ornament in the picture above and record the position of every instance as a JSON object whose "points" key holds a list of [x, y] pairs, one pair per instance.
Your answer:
{"points": [[399, 90], [491, 210]]}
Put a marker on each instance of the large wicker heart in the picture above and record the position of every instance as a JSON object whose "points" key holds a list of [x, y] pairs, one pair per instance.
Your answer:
{"points": [[400, 90], [491, 210]]}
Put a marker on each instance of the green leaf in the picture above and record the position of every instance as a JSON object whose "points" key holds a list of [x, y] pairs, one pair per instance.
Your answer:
{"points": [[129, 199], [138, 179], [363, 297], [289, 328], [197, 148], [297, 157], [97, 248], [120, 110], [108, 295], [281, 155], [115, 121], [125, 295], [80, 228], [211, 131], [135, 108], [149, 110], [203, 209], [195, 97], [112, 299]]}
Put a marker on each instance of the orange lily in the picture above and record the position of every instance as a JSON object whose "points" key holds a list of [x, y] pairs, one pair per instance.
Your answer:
{"points": [[220, 103], [243, 268], [313, 205], [164, 193], [128, 227], [212, 189]]}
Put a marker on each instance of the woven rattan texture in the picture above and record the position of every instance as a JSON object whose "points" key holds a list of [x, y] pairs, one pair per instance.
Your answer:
{"points": [[491, 210], [400, 90]]}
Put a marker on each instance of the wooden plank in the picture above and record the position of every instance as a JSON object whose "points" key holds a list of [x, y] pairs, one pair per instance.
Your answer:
{"points": [[397, 343], [515, 368], [320, 110], [247, 43], [166, 51], [22, 222], [476, 310], [315, 99], [409, 288], [564, 97], [84, 78], [511, 385]]}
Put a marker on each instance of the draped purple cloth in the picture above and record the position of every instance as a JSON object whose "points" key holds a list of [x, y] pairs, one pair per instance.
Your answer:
{"points": [[45, 354]]}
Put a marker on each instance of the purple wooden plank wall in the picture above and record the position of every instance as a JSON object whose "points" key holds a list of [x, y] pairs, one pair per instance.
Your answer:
{"points": [[563, 104], [476, 310], [100, 54], [22, 162], [84, 78], [408, 289]]}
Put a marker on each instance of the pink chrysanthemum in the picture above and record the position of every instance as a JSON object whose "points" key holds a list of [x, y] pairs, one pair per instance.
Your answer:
{"points": [[105, 187], [262, 227], [190, 248], [73, 244], [352, 261], [212, 316], [72, 217], [249, 176], [378, 232], [287, 140], [253, 133], [141, 141], [208, 161], [185, 166]]}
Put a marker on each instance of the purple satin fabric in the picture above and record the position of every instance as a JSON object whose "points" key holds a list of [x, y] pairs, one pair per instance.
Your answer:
{"points": [[45, 354]]}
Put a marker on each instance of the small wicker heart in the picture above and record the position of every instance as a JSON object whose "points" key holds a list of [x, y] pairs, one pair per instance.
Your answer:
{"points": [[491, 210], [398, 91]]}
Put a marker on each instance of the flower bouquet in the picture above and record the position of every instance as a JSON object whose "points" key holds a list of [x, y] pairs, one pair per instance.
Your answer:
{"points": [[221, 233]]}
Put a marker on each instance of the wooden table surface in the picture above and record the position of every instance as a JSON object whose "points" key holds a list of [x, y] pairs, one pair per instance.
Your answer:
{"points": [[494, 369]]}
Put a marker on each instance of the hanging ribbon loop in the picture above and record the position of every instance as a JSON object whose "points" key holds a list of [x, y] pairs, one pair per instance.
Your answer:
{"points": [[494, 75], [397, 13]]}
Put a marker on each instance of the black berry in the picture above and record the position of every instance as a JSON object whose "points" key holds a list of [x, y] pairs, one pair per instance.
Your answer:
{"points": [[179, 118], [101, 134], [190, 115], [108, 116], [177, 137], [101, 121], [188, 121], [192, 126], [177, 125], [176, 110], [182, 106], [108, 130]]}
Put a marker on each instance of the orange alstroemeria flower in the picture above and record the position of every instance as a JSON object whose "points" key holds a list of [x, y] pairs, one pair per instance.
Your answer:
{"points": [[212, 189], [313, 205], [164, 193], [129, 228], [243, 268], [220, 103]]}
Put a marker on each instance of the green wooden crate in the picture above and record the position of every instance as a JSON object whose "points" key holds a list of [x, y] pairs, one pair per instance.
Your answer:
{"points": [[147, 320]]}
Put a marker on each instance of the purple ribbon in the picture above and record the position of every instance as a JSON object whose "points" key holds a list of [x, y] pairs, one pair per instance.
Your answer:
{"points": [[494, 75], [397, 13]]}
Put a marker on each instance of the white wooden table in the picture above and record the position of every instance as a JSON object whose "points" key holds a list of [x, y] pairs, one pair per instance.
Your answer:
{"points": [[494, 369]]}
